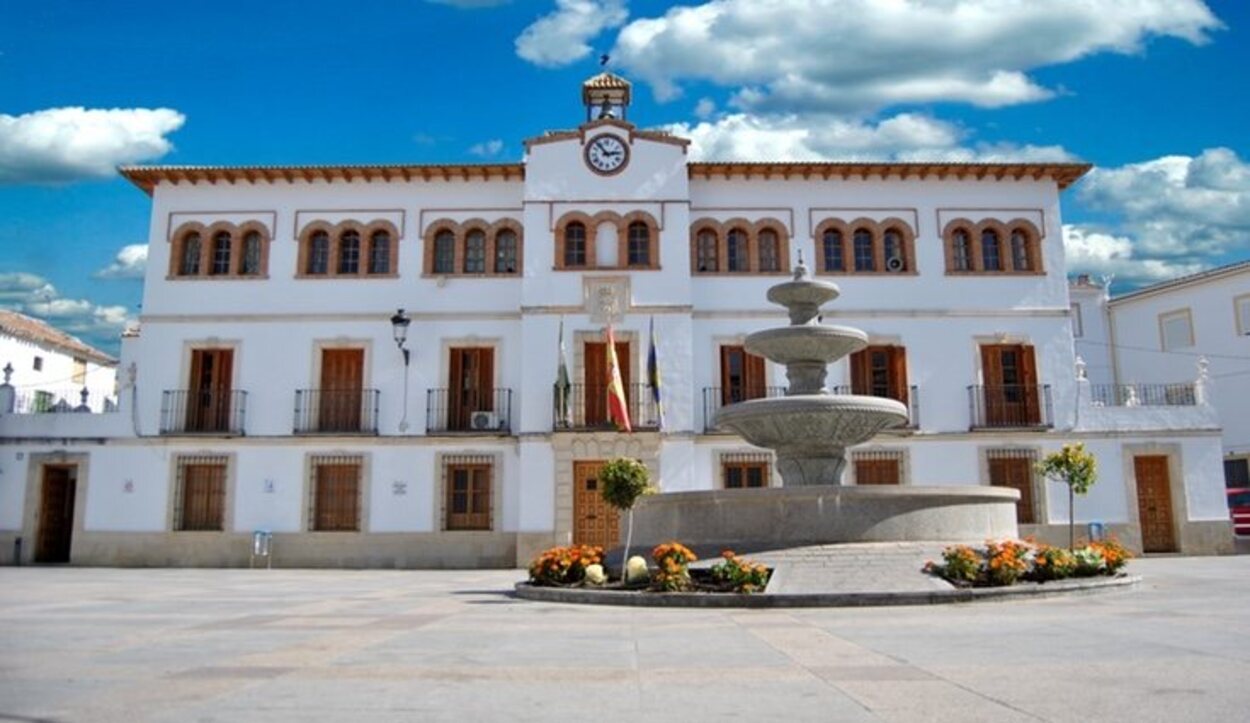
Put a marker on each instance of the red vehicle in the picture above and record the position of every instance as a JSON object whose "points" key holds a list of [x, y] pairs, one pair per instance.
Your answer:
{"points": [[1239, 509]]}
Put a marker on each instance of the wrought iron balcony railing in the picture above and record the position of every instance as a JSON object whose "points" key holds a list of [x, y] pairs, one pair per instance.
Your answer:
{"points": [[1010, 406], [336, 411], [475, 411], [203, 411], [1143, 395], [583, 407]]}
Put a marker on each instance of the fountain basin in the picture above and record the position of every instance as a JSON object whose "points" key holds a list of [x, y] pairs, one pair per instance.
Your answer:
{"points": [[810, 432], [795, 344], [781, 517]]}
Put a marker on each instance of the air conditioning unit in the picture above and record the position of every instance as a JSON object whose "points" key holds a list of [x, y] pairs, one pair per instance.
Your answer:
{"points": [[484, 421], [894, 263]]}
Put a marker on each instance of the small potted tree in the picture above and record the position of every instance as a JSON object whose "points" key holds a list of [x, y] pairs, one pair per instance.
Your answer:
{"points": [[623, 481], [1077, 469]]}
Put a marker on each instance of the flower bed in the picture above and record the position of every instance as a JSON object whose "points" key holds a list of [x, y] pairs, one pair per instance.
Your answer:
{"points": [[580, 566], [1006, 562]]}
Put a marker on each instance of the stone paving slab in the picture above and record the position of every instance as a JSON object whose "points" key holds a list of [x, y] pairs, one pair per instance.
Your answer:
{"points": [[99, 645]]}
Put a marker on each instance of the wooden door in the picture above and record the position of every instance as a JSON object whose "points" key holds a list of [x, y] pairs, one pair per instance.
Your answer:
{"points": [[208, 402], [1016, 473], [470, 386], [877, 472], [594, 521], [203, 497], [342, 390], [56, 513], [468, 497], [1154, 503], [1010, 389], [741, 375], [880, 371], [595, 383], [336, 502]]}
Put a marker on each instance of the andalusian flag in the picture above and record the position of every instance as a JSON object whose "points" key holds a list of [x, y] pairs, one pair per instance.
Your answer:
{"points": [[618, 408], [563, 387], [653, 376]]}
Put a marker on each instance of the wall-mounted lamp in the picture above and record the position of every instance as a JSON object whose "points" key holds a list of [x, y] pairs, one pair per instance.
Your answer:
{"points": [[399, 326]]}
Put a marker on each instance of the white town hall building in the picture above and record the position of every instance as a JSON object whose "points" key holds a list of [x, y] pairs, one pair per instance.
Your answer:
{"points": [[265, 389]]}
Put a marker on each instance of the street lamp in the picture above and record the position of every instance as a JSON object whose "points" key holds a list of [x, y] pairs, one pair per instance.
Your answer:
{"points": [[399, 326]]}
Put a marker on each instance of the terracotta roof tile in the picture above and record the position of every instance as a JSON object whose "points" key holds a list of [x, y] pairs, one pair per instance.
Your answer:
{"points": [[40, 332]]}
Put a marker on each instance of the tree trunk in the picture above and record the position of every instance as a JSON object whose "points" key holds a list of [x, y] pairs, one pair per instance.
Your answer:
{"points": [[629, 538], [1071, 519]]}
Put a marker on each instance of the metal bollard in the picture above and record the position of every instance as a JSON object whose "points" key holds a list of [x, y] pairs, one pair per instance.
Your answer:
{"points": [[262, 546], [17, 551]]}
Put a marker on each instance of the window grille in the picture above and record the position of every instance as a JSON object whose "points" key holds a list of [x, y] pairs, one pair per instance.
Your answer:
{"points": [[251, 254], [200, 492], [506, 252], [444, 252], [706, 252], [639, 244], [991, 258], [475, 252], [736, 250], [575, 244], [468, 482], [349, 253], [861, 241], [335, 487], [769, 251], [878, 467], [380, 253], [319, 253], [1015, 469], [221, 254], [833, 251], [746, 470]]}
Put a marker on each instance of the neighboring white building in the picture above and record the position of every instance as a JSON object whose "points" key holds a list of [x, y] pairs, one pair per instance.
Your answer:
{"points": [[1162, 333], [269, 393], [51, 371]]}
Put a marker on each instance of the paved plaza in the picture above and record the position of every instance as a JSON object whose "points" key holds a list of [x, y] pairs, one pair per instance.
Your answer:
{"points": [[240, 645]]}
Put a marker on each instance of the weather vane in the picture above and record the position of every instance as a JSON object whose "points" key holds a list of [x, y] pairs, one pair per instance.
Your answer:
{"points": [[603, 59]]}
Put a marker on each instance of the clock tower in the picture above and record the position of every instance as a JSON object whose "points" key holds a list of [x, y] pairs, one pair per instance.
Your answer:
{"points": [[606, 95]]}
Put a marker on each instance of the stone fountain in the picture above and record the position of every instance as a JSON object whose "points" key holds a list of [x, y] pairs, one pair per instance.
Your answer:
{"points": [[809, 428], [810, 431]]}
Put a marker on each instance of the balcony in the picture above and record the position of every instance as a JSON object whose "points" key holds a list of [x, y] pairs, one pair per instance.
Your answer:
{"points": [[911, 399], [585, 409], [48, 401], [468, 411], [1143, 395], [336, 411], [1010, 406], [716, 397], [203, 411]]}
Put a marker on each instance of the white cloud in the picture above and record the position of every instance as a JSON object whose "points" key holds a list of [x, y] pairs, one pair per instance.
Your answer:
{"points": [[562, 36], [1178, 207], [1090, 251], [487, 149], [96, 324], [130, 263], [65, 144], [902, 137], [705, 108], [861, 55]]}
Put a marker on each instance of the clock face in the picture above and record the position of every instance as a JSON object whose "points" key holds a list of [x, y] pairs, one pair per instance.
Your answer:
{"points": [[606, 154]]}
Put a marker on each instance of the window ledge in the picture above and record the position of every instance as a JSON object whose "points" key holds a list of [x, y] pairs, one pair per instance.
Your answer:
{"points": [[732, 274], [515, 275], [995, 273], [868, 273], [339, 277], [606, 268], [219, 277]]}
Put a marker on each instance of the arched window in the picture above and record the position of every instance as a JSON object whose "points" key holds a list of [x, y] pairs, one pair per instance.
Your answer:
{"points": [[1020, 260], [736, 251], [318, 254], [250, 263], [380, 253], [991, 254], [893, 241], [475, 252], [221, 254], [961, 251], [575, 244], [831, 247], [349, 252], [769, 250], [705, 251], [865, 260], [191, 251], [639, 244], [506, 252], [444, 252]]}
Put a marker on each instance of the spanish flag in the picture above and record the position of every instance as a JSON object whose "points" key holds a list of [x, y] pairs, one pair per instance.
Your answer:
{"points": [[618, 408]]}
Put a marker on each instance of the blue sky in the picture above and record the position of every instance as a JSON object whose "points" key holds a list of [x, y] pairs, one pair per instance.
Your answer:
{"points": [[1151, 91]]}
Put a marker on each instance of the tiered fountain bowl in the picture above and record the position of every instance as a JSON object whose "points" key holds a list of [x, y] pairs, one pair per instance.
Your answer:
{"points": [[810, 429]]}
